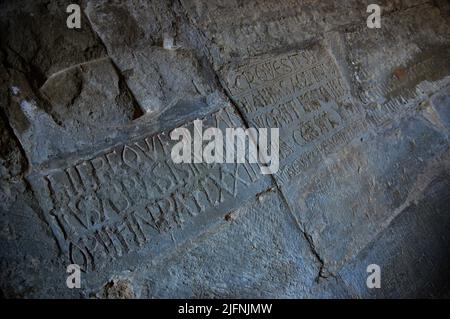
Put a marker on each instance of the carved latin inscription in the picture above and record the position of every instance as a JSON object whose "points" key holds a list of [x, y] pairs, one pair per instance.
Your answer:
{"points": [[133, 196], [304, 94]]}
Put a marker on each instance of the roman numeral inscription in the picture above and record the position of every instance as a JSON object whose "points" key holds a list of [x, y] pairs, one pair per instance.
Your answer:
{"points": [[304, 94], [132, 197]]}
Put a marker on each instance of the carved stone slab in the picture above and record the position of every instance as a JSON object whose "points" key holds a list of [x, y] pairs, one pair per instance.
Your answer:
{"points": [[133, 197]]}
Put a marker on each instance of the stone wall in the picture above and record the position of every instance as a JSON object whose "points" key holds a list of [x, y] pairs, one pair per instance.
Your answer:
{"points": [[86, 174]]}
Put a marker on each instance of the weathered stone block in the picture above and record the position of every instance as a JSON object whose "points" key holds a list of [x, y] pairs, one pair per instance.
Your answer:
{"points": [[396, 67], [132, 198], [158, 78], [236, 30], [36, 40], [82, 106], [354, 193], [412, 251], [266, 256]]}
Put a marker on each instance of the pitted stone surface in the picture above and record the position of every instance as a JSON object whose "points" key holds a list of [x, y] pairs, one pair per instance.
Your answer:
{"points": [[422, 249], [240, 29], [36, 40], [246, 242], [86, 174], [133, 32]]}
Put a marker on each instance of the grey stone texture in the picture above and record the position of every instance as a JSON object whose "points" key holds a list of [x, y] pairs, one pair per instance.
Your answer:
{"points": [[86, 174]]}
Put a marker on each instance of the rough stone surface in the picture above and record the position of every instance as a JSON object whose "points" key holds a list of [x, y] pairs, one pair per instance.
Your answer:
{"points": [[133, 32], [36, 40], [414, 262], [86, 174]]}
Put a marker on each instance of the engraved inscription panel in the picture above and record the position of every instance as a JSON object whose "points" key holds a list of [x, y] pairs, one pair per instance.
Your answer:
{"points": [[133, 197], [303, 94]]}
